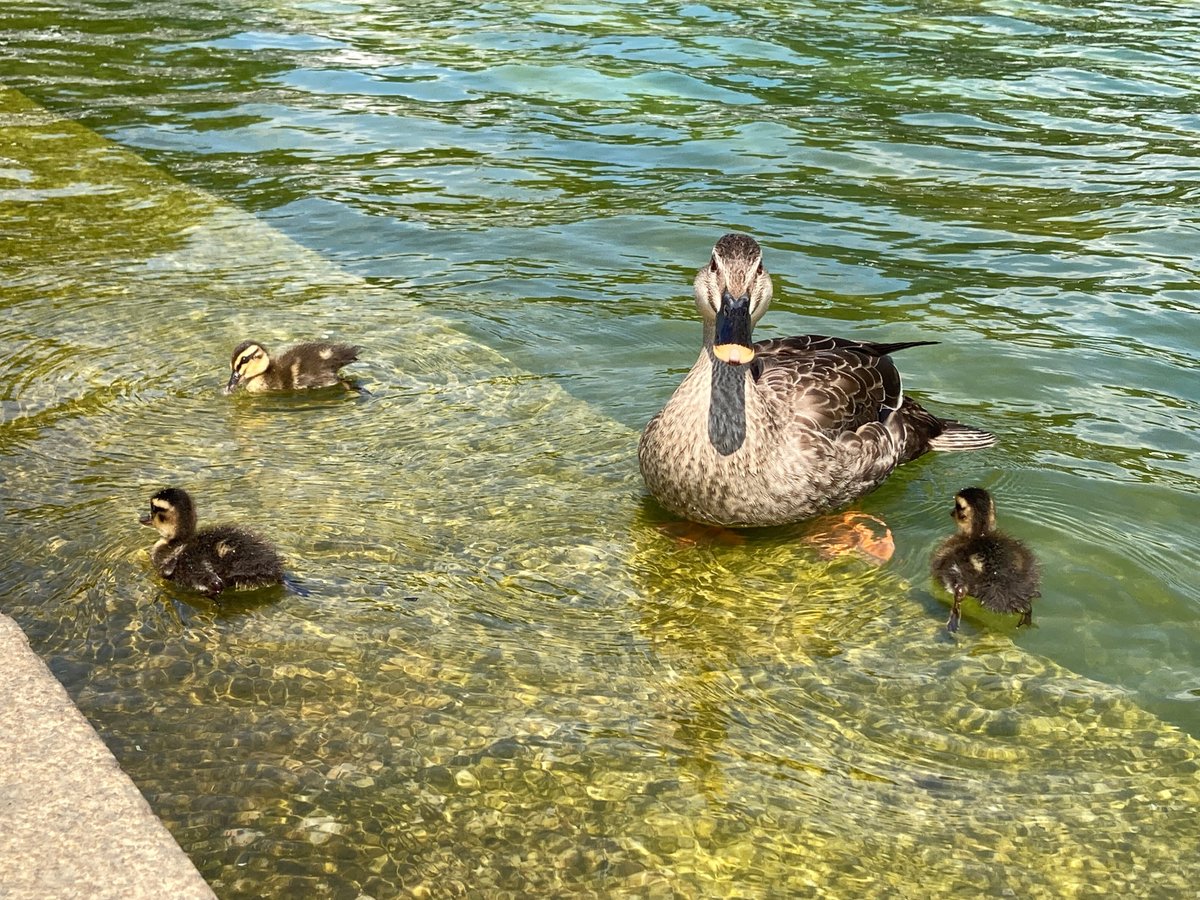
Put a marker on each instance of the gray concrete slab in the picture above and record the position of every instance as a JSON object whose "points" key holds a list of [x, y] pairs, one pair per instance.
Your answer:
{"points": [[72, 824]]}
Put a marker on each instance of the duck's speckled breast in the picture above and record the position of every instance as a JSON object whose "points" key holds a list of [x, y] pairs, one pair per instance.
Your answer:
{"points": [[779, 472], [685, 468]]}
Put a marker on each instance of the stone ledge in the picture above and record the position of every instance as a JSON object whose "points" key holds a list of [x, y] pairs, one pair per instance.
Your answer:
{"points": [[72, 824]]}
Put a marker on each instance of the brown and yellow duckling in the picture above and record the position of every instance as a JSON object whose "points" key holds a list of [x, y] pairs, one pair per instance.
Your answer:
{"points": [[210, 560], [997, 570], [314, 364]]}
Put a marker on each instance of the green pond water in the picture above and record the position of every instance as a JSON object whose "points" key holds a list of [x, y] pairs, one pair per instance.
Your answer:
{"points": [[503, 676]]}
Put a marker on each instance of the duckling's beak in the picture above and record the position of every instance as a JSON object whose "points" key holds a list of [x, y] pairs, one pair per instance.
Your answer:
{"points": [[144, 520], [732, 344], [234, 378]]}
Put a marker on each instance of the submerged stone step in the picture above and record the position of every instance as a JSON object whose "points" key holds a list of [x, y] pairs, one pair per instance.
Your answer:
{"points": [[72, 824]]}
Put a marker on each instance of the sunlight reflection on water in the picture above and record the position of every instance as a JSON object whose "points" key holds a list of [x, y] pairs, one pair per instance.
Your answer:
{"points": [[574, 700]]}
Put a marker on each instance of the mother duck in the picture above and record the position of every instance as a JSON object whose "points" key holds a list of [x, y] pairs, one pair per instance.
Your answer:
{"points": [[776, 431]]}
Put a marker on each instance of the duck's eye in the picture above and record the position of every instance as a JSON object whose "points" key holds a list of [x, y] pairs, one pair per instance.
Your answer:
{"points": [[759, 270], [245, 359], [712, 266]]}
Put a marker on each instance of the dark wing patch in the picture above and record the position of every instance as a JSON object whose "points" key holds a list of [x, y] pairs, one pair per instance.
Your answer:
{"points": [[836, 385], [315, 364]]}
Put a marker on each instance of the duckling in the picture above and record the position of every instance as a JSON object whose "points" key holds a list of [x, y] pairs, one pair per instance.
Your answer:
{"points": [[997, 570], [314, 364], [212, 559]]}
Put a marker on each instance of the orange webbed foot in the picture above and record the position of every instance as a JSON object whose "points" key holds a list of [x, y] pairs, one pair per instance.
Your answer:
{"points": [[693, 534], [852, 532]]}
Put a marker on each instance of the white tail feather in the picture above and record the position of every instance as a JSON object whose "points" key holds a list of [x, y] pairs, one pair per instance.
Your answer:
{"points": [[957, 436]]}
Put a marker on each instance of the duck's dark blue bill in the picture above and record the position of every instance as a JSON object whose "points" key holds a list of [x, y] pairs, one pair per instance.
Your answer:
{"points": [[733, 344]]}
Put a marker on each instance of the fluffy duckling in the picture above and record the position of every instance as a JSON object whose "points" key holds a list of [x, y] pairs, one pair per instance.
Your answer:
{"points": [[212, 559], [997, 570], [314, 364]]}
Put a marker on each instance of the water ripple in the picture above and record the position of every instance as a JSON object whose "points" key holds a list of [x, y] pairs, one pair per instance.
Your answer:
{"points": [[503, 674]]}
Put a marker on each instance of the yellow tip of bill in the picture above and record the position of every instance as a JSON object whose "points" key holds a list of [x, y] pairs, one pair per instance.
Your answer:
{"points": [[734, 354]]}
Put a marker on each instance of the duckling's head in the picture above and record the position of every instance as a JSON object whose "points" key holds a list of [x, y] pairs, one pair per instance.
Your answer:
{"points": [[172, 514], [250, 359], [974, 511], [732, 292]]}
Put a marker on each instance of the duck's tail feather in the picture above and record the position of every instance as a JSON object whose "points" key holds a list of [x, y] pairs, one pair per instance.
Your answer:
{"points": [[956, 436], [885, 349]]}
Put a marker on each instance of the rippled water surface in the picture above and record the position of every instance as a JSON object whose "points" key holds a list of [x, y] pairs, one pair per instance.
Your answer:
{"points": [[503, 674]]}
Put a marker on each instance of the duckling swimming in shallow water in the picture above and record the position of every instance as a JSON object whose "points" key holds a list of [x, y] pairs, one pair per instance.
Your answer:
{"points": [[212, 559], [997, 570], [314, 364]]}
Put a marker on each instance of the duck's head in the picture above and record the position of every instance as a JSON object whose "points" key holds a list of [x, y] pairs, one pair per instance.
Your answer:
{"points": [[172, 514], [974, 511], [732, 293], [250, 359]]}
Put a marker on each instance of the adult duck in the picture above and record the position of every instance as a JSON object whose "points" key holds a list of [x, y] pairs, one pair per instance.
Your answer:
{"points": [[780, 430]]}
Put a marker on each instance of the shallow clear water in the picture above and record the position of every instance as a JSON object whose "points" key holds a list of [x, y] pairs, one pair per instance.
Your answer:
{"points": [[504, 675]]}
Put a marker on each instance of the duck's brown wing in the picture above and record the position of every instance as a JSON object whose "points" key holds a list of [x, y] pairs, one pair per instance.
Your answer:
{"points": [[835, 384], [316, 364], [238, 556]]}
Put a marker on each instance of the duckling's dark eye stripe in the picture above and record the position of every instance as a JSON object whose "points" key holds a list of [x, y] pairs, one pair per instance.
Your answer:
{"points": [[245, 359]]}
